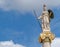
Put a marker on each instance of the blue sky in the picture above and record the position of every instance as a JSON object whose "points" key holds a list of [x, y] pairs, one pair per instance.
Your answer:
{"points": [[18, 23]]}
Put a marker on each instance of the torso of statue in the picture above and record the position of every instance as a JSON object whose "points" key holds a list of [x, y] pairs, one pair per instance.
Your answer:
{"points": [[45, 21]]}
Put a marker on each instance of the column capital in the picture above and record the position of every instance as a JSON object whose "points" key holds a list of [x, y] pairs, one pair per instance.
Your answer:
{"points": [[44, 35]]}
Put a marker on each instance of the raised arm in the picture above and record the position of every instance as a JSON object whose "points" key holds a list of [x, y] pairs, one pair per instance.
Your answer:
{"points": [[40, 17]]}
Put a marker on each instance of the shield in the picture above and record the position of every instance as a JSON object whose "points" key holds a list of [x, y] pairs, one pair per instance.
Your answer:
{"points": [[51, 15]]}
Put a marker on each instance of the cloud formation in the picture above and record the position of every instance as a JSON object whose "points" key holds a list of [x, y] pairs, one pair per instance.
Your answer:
{"points": [[26, 4], [9, 44], [56, 42]]}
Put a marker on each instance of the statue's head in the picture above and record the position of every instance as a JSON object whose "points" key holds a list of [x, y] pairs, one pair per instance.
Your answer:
{"points": [[44, 7]]}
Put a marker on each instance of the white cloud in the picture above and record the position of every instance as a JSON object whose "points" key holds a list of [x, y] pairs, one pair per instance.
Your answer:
{"points": [[56, 42], [26, 4], [9, 44]]}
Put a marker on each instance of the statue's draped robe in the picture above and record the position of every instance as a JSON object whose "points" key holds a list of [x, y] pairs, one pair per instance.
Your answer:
{"points": [[45, 21]]}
